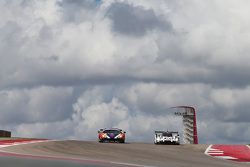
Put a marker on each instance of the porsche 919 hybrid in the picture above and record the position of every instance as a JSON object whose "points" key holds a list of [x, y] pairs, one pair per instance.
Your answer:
{"points": [[166, 137]]}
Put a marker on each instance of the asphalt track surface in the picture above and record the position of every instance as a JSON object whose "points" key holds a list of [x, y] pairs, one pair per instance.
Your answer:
{"points": [[94, 154], [30, 162]]}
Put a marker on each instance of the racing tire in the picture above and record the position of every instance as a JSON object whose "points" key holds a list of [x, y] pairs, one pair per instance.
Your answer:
{"points": [[122, 141]]}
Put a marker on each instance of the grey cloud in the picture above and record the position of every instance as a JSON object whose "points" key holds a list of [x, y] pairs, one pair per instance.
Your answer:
{"points": [[25, 3], [231, 105], [11, 36], [135, 20], [231, 76], [74, 10], [224, 132], [238, 114], [45, 104], [45, 33], [77, 3]]}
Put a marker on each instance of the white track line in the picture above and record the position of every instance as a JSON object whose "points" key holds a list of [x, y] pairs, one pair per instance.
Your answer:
{"points": [[215, 153], [209, 147], [213, 149], [225, 157], [212, 152]]}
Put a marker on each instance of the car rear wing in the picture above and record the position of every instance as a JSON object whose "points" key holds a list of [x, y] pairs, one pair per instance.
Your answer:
{"points": [[161, 132]]}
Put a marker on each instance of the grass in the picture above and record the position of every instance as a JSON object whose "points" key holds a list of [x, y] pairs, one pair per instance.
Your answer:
{"points": [[6, 138]]}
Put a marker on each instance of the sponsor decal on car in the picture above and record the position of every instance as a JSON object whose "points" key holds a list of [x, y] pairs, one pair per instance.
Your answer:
{"points": [[165, 138]]}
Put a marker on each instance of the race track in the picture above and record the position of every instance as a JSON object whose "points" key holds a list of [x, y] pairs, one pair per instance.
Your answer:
{"points": [[128, 154], [30, 162]]}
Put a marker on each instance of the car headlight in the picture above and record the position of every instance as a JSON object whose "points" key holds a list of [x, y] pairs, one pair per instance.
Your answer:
{"points": [[104, 135], [121, 135]]}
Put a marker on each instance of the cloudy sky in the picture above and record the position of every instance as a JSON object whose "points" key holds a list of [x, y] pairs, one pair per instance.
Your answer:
{"points": [[70, 67]]}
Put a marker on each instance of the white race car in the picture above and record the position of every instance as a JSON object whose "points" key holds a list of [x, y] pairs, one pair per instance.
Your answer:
{"points": [[166, 137]]}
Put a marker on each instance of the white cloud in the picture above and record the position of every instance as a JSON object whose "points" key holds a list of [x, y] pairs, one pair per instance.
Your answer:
{"points": [[114, 113]]}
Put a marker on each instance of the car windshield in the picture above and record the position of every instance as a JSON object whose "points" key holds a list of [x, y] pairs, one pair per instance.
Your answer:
{"points": [[167, 134], [111, 131]]}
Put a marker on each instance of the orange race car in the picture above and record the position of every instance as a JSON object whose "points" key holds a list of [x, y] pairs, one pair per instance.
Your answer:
{"points": [[111, 135]]}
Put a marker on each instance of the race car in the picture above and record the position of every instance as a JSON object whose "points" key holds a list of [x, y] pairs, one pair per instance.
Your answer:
{"points": [[111, 135], [166, 137]]}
